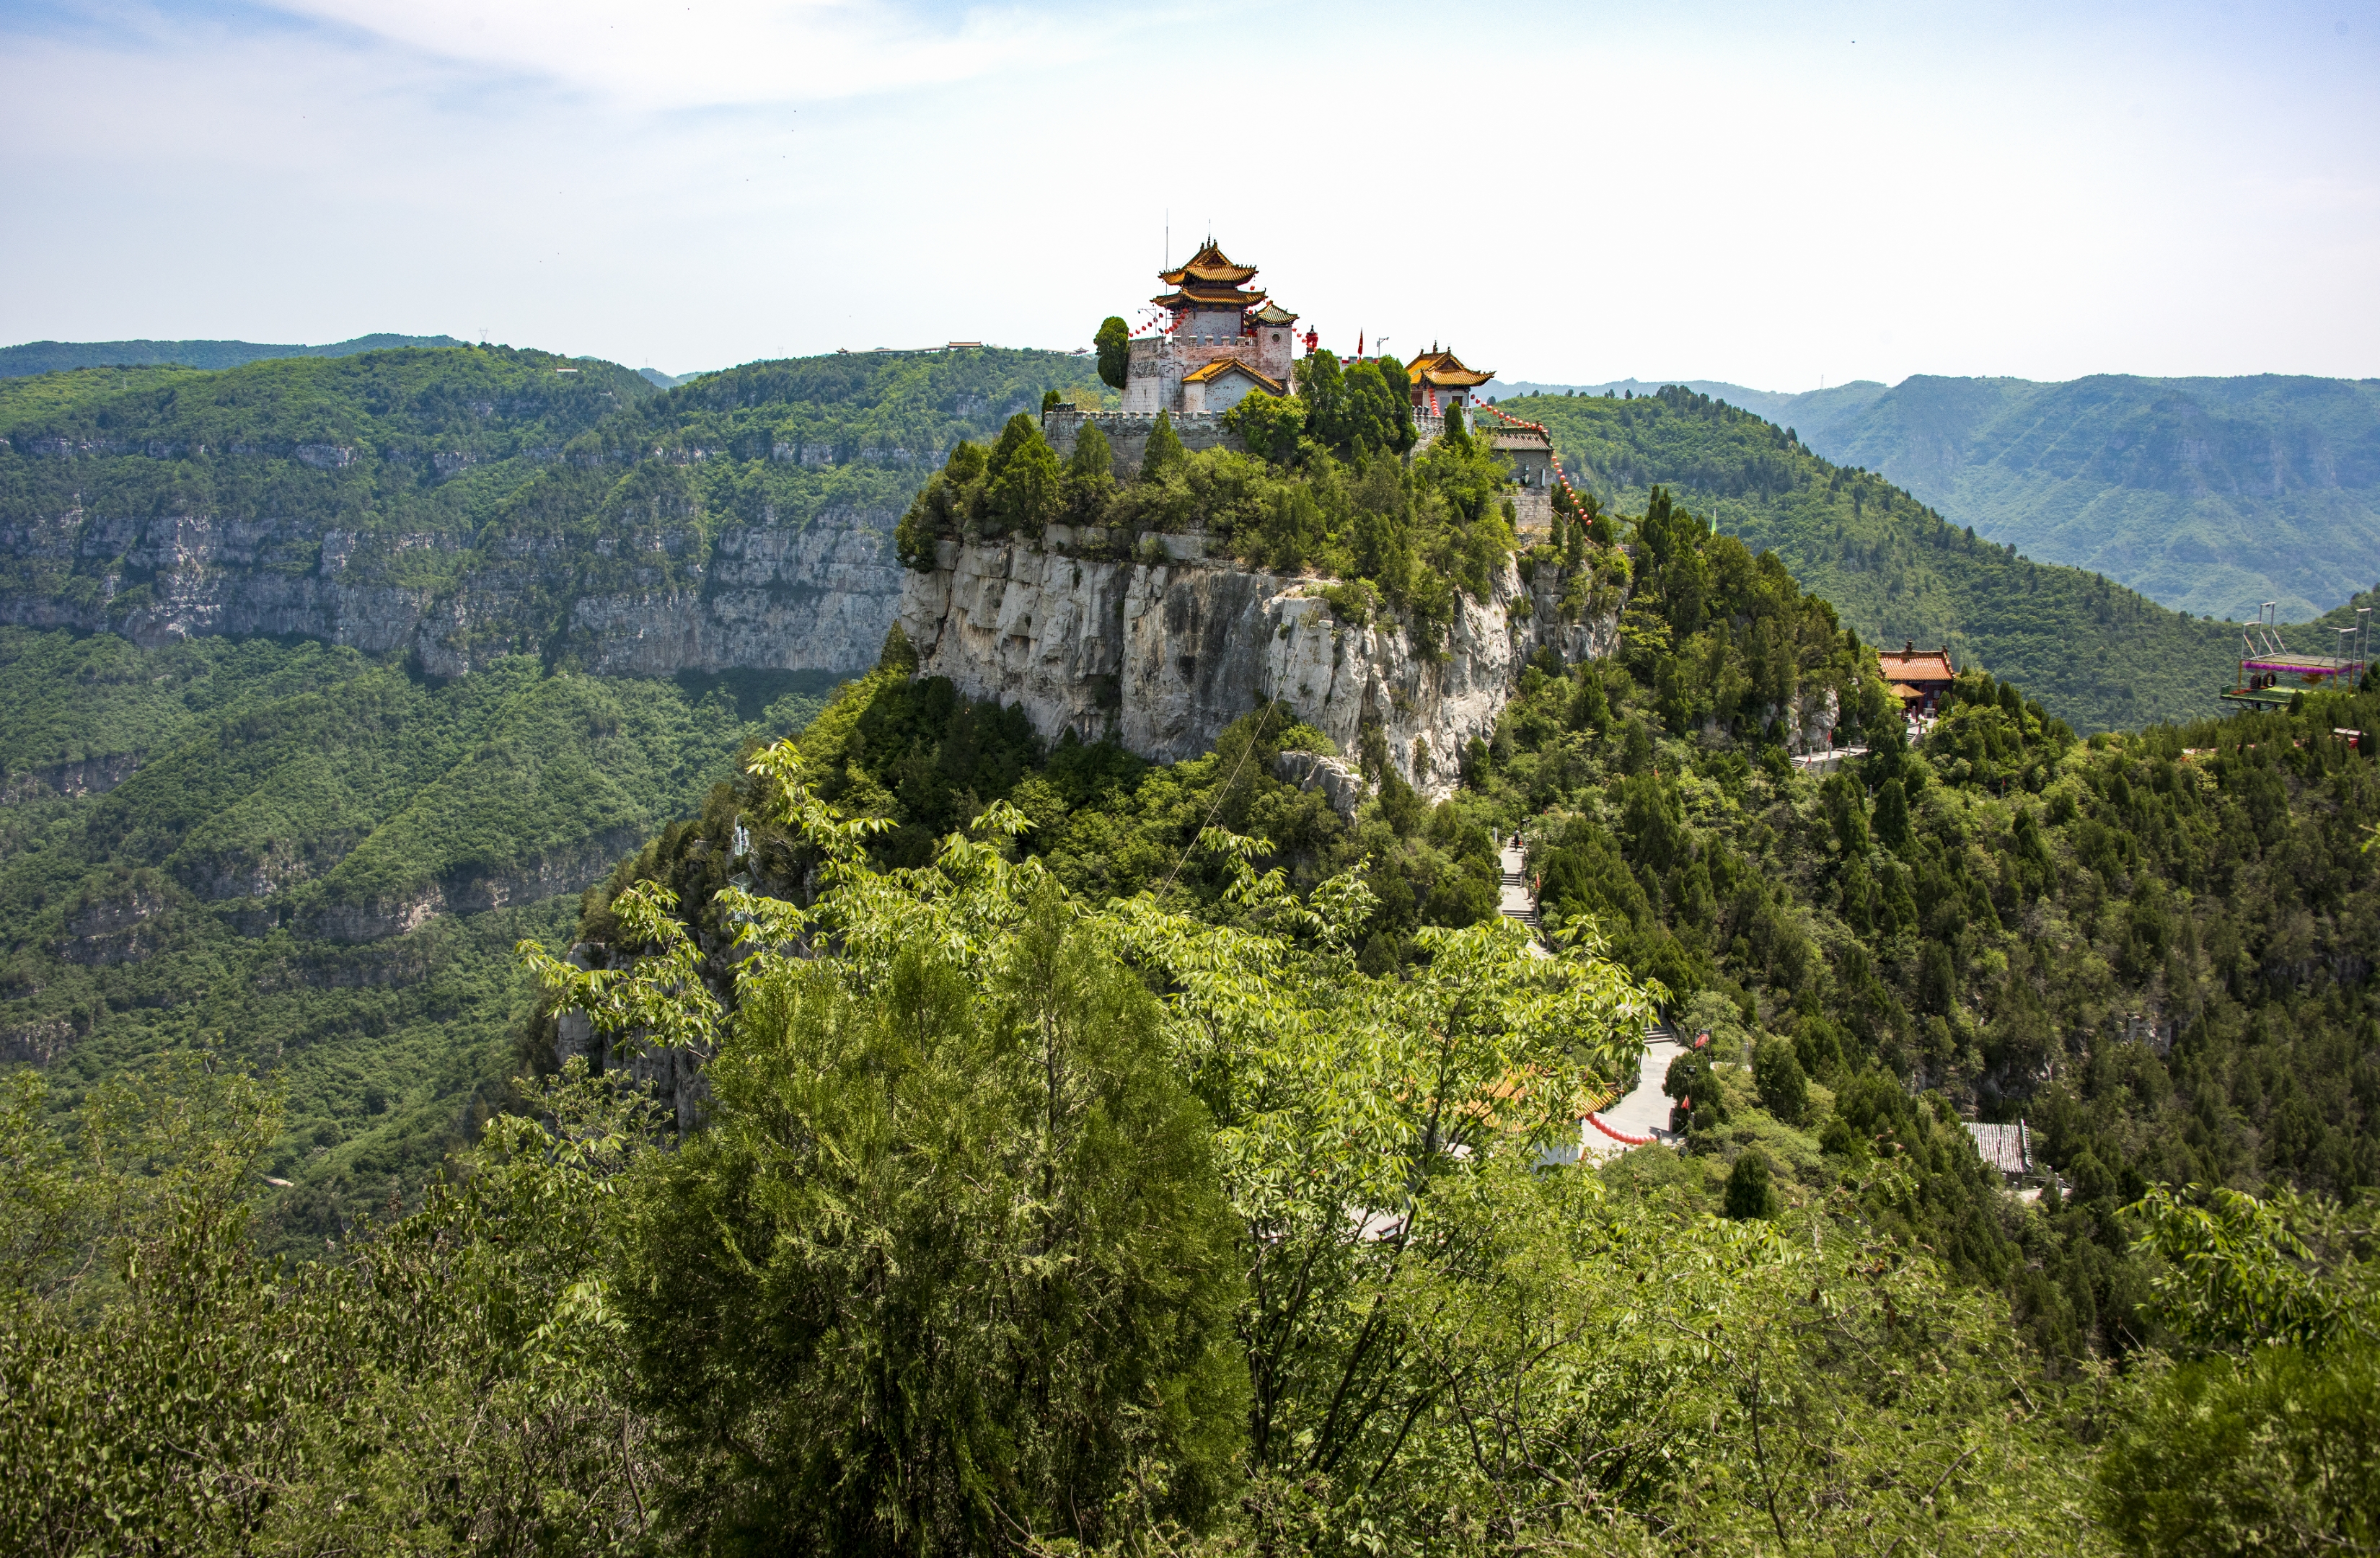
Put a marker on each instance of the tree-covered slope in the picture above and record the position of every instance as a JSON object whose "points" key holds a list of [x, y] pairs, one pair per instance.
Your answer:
{"points": [[319, 865], [59, 357], [1114, 1155], [2096, 655], [2207, 495]]}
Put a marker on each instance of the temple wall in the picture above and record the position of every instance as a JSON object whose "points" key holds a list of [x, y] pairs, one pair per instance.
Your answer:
{"points": [[1128, 432]]}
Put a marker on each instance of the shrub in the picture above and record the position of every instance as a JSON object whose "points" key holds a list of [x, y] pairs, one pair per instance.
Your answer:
{"points": [[1751, 1190]]}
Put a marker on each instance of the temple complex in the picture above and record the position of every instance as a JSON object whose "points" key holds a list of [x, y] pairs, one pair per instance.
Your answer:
{"points": [[1221, 339], [1216, 338]]}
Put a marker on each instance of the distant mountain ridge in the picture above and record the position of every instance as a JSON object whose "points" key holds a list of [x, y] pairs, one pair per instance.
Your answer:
{"points": [[2207, 495], [59, 357]]}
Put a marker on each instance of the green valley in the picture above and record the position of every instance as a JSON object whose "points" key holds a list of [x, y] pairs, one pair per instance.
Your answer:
{"points": [[319, 866]]}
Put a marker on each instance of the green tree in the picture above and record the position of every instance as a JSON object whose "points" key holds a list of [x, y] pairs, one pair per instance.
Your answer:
{"points": [[1164, 451], [1089, 481], [899, 655], [2267, 1439], [1459, 436], [1322, 387], [1269, 425], [1113, 342], [1892, 814], [1023, 480], [953, 1264], [1784, 1089], [1750, 1187], [1699, 1103]]}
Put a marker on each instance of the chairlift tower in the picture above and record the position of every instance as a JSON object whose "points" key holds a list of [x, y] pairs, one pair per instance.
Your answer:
{"points": [[2267, 662]]}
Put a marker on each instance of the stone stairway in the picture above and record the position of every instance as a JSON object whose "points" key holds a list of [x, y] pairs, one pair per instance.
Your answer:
{"points": [[1517, 901]]}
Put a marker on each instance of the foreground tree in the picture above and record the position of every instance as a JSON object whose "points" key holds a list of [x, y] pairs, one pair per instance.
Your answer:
{"points": [[951, 1271]]}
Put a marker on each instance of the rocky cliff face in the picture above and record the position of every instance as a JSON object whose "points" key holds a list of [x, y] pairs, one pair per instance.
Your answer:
{"points": [[1163, 655], [818, 596]]}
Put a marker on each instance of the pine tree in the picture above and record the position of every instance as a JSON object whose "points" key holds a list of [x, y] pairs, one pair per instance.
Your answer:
{"points": [[1164, 450], [1892, 814], [1093, 457], [1023, 493], [1750, 1194]]}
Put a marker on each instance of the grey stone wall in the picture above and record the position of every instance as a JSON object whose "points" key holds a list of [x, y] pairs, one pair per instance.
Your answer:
{"points": [[1128, 434]]}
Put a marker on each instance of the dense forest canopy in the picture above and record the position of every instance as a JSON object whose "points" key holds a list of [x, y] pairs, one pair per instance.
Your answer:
{"points": [[269, 878]]}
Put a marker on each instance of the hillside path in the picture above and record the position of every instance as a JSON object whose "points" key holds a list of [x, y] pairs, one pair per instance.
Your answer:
{"points": [[1643, 1110], [1518, 901]]}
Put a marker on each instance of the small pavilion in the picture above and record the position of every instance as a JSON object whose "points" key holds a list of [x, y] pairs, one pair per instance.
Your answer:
{"points": [[1918, 677], [1440, 383]]}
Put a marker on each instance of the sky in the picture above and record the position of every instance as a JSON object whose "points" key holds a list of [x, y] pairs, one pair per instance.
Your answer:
{"points": [[1780, 197]]}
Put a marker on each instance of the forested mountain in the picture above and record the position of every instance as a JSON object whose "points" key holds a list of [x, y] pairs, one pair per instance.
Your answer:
{"points": [[2206, 496], [2096, 655], [317, 855], [59, 357], [464, 504]]}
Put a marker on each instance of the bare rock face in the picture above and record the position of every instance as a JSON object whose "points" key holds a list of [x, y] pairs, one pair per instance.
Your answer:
{"points": [[1163, 655], [1339, 780], [816, 596], [820, 598]]}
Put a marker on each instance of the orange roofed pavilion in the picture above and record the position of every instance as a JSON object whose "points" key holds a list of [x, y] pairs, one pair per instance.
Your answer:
{"points": [[1440, 383], [1918, 677]]}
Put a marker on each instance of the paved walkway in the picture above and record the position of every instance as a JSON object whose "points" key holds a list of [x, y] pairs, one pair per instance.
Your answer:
{"points": [[1644, 1111]]}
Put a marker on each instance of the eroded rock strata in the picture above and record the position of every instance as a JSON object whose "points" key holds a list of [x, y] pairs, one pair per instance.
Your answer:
{"points": [[1164, 654]]}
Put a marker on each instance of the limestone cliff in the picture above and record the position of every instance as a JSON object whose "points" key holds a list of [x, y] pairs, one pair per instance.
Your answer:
{"points": [[818, 596], [1164, 655]]}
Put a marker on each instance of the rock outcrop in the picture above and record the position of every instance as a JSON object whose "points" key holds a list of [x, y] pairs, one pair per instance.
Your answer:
{"points": [[817, 596], [565, 870], [1162, 655]]}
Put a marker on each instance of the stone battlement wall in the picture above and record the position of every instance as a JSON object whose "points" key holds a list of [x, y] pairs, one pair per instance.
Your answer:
{"points": [[1127, 433]]}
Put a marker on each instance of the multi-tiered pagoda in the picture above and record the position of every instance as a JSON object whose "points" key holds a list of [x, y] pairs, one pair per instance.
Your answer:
{"points": [[1220, 340]]}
